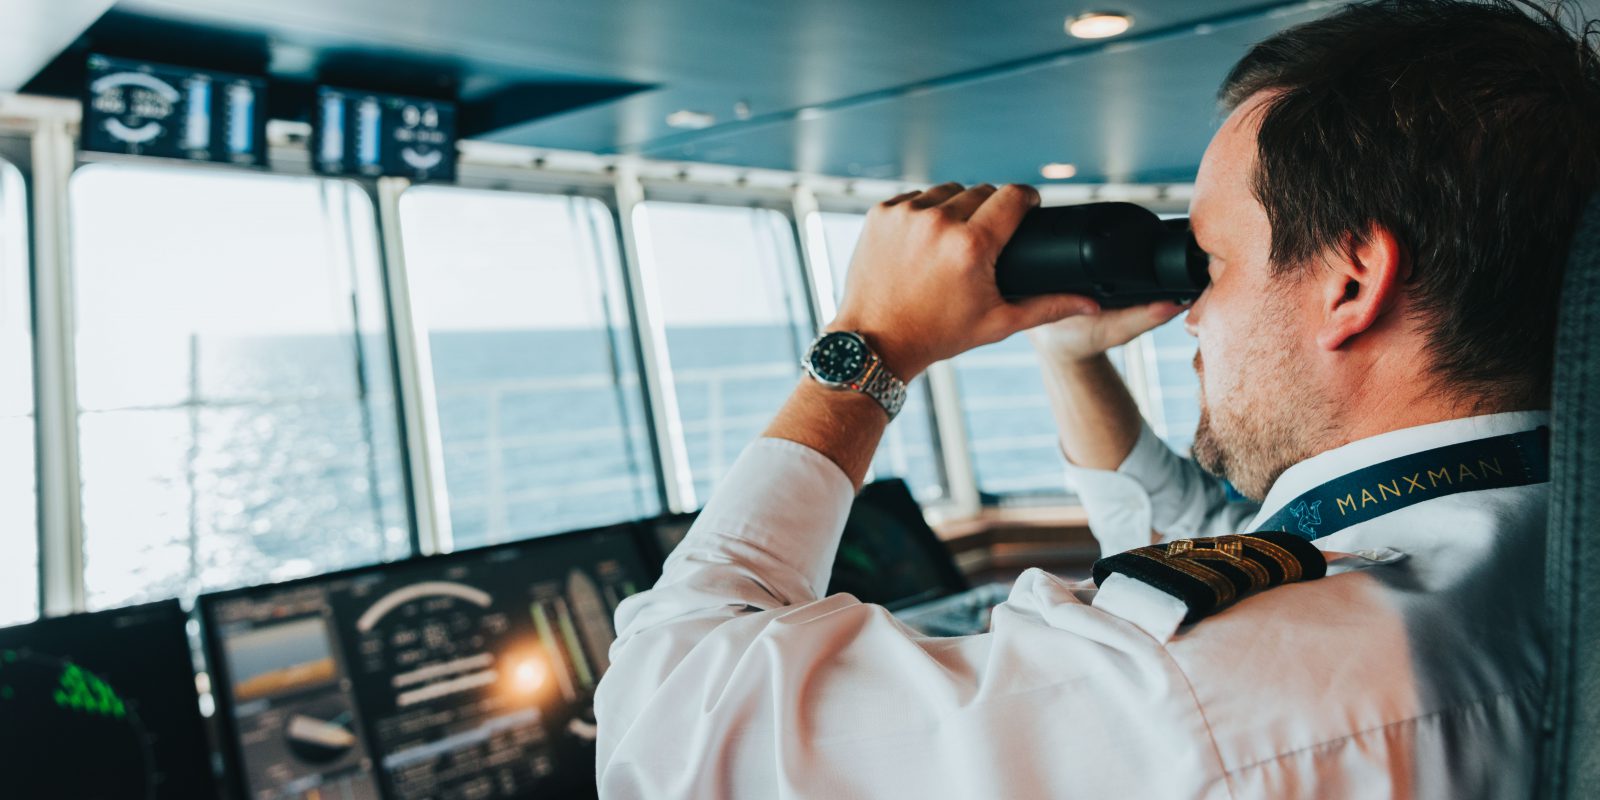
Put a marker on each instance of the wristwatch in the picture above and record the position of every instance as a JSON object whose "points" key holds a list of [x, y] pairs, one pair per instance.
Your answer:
{"points": [[842, 360]]}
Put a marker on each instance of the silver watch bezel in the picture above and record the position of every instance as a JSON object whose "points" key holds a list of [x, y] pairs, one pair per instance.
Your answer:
{"points": [[875, 380]]}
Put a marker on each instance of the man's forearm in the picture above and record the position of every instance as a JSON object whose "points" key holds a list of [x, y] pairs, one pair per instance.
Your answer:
{"points": [[844, 426], [1098, 420]]}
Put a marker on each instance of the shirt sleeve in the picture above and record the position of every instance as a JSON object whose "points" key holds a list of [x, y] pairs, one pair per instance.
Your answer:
{"points": [[730, 678], [1155, 495]]}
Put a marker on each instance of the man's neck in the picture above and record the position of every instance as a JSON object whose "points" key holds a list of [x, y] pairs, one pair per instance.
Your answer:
{"points": [[1375, 412]]}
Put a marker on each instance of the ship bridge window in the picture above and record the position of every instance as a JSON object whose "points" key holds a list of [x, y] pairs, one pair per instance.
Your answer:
{"points": [[910, 447], [1173, 410], [237, 421], [734, 309], [19, 569], [540, 408], [1015, 446]]}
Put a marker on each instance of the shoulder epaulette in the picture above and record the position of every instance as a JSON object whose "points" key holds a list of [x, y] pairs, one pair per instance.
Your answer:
{"points": [[1209, 574]]}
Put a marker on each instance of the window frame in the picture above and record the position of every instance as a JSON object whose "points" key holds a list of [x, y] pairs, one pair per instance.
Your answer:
{"points": [[284, 162], [476, 178], [765, 198]]}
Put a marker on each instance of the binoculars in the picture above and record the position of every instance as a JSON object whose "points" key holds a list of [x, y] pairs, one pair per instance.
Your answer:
{"points": [[1119, 254]]}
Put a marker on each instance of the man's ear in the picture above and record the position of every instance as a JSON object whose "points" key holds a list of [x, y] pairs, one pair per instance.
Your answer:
{"points": [[1360, 283]]}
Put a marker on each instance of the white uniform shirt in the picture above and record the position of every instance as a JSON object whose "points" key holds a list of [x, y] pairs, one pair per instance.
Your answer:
{"points": [[1413, 669]]}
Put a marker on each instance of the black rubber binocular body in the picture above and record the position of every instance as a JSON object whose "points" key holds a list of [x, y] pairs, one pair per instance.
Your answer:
{"points": [[1120, 254]]}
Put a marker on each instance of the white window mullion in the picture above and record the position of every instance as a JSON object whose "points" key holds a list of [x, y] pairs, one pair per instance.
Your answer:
{"points": [[424, 444], [60, 497]]}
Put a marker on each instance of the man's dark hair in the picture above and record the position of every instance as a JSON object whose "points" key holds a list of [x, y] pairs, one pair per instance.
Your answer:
{"points": [[1471, 130]]}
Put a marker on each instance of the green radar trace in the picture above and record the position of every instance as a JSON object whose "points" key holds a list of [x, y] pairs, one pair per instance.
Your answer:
{"points": [[81, 690]]}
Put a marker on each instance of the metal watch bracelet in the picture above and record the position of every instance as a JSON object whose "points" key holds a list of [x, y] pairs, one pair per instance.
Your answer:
{"points": [[881, 385]]}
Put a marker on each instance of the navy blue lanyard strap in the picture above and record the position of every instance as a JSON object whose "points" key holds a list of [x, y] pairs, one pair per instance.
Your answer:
{"points": [[1498, 462]]}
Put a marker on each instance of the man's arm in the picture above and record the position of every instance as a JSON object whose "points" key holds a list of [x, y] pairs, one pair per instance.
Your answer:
{"points": [[1096, 416], [921, 289], [1132, 485]]}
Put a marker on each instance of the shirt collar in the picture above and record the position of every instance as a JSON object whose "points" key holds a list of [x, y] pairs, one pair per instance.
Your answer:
{"points": [[1344, 460]]}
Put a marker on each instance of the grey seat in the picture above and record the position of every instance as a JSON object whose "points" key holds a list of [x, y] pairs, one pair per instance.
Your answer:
{"points": [[1570, 749]]}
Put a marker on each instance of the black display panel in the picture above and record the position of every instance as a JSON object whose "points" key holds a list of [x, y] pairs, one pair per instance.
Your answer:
{"points": [[462, 676], [367, 134], [143, 109], [102, 706], [888, 555]]}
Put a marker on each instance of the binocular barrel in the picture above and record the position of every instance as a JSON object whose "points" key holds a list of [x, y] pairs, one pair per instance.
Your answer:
{"points": [[1120, 254]]}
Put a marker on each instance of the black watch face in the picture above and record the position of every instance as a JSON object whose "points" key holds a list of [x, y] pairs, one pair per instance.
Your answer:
{"points": [[839, 358]]}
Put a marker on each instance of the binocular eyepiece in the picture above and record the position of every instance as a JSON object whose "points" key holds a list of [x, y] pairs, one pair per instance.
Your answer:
{"points": [[1119, 254]]}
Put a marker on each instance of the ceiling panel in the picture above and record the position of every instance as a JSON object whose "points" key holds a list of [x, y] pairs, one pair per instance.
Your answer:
{"points": [[928, 90], [702, 55], [1141, 113]]}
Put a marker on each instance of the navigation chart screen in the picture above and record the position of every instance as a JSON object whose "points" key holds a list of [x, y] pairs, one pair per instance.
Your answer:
{"points": [[461, 676], [102, 706]]}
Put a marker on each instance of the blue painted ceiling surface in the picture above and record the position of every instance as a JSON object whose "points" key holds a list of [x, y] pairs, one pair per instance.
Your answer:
{"points": [[927, 90]]}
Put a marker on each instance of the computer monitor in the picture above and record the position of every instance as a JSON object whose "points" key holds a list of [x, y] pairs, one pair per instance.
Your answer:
{"points": [[102, 706], [888, 555], [465, 675]]}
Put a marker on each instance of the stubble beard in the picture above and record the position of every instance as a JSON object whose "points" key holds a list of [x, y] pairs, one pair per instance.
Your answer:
{"points": [[1266, 421]]}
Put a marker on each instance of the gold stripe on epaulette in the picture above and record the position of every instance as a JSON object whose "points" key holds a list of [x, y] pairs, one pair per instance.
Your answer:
{"points": [[1286, 560], [1229, 548], [1218, 583]]}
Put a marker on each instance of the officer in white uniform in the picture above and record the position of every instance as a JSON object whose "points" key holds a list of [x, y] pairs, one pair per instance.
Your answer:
{"points": [[1385, 642]]}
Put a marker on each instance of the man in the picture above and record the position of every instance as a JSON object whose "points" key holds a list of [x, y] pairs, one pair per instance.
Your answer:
{"points": [[1387, 207]]}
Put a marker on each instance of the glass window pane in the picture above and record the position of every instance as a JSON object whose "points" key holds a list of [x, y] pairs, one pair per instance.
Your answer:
{"points": [[841, 232], [1015, 445], [540, 406], [19, 538], [237, 421], [736, 321], [910, 447], [1174, 389]]}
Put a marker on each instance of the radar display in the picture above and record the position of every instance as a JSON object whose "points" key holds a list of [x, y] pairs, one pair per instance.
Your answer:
{"points": [[102, 707]]}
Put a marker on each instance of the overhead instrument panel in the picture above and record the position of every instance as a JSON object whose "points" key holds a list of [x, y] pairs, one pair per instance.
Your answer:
{"points": [[463, 676], [102, 706], [143, 109], [368, 134]]}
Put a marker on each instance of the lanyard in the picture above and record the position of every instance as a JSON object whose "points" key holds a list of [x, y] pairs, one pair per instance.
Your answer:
{"points": [[1498, 462]]}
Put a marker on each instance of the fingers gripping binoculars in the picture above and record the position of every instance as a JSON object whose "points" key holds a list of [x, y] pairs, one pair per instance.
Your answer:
{"points": [[1119, 254]]}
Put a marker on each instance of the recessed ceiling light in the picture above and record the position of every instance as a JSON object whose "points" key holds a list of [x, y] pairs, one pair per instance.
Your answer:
{"points": [[1058, 172], [1098, 24], [692, 120]]}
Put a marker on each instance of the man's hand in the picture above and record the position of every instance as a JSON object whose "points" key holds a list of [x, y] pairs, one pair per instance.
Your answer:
{"points": [[1082, 338], [921, 286]]}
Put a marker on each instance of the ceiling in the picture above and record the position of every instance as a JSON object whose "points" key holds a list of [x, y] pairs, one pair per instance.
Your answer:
{"points": [[925, 91]]}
